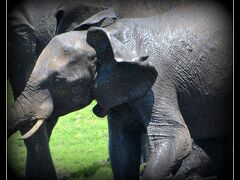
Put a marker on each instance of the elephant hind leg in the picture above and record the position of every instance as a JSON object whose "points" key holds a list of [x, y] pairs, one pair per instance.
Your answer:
{"points": [[220, 151], [197, 165]]}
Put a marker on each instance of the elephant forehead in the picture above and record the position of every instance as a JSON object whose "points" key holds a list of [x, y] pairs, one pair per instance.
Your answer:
{"points": [[61, 56], [72, 39], [57, 63], [72, 43], [77, 48]]}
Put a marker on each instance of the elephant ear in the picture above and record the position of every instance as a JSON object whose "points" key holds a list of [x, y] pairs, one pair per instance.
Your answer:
{"points": [[103, 18], [122, 76]]}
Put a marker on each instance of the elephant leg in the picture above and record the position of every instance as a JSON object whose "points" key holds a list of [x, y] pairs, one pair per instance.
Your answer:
{"points": [[39, 164], [169, 141], [50, 124], [221, 152], [197, 165], [124, 151]]}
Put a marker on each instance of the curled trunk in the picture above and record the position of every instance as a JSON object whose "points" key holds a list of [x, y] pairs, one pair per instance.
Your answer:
{"points": [[31, 106]]}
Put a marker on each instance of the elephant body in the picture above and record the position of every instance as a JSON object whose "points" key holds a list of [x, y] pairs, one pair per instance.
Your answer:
{"points": [[182, 92]]}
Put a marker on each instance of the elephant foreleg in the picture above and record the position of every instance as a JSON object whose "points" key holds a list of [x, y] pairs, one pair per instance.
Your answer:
{"points": [[50, 124], [39, 164], [124, 150]]}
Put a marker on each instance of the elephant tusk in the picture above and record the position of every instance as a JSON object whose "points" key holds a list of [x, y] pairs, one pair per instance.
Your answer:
{"points": [[33, 130]]}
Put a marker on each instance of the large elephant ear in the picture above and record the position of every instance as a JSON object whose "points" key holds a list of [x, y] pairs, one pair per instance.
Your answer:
{"points": [[122, 75], [103, 18]]}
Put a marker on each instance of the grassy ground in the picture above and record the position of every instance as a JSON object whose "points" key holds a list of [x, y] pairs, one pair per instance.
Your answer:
{"points": [[78, 146]]}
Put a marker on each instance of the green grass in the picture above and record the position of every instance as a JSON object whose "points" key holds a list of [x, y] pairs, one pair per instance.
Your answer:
{"points": [[78, 146]]}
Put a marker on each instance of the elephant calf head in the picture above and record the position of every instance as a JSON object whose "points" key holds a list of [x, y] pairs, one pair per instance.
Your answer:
{"points": [[61, 82]]}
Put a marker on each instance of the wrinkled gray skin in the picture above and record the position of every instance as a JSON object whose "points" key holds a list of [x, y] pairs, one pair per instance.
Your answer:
{"points": [[182, 92], [31, 26], [145, 8]]}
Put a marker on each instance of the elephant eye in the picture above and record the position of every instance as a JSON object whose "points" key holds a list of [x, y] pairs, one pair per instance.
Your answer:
{"points": [[57, 79], [93, 58]]}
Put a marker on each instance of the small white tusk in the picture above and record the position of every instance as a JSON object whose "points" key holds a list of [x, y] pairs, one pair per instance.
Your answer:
{"points": [[33, 130]]}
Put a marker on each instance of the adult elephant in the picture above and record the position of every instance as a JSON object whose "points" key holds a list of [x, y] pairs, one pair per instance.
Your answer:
{"points": [[183, 92], [31, 26]]}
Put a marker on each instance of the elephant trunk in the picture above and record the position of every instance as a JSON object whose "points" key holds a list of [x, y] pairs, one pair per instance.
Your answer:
{"points": [[14, 115], [28, 108]]}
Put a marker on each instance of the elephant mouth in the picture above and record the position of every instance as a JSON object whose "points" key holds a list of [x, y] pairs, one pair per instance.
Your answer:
{"points": [[100, 111]]}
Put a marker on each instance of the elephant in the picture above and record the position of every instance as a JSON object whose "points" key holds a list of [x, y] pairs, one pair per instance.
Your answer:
{"points": [[143, 100], [169, 76], [31, 26]]}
